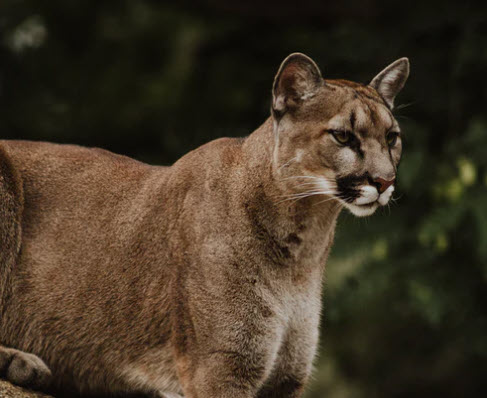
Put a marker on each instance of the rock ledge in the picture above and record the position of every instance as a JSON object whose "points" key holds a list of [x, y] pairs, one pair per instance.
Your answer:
{"points": [[8, 390]]}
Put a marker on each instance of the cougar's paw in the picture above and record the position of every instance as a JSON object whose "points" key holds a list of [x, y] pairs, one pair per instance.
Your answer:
{"points": [[23, 369]]}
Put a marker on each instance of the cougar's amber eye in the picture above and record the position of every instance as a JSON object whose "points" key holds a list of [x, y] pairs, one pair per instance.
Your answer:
{"points": [[342, 137], [391, 138]]}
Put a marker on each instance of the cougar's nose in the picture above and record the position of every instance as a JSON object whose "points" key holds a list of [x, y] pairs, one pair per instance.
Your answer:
{"points": [[382, 184]]}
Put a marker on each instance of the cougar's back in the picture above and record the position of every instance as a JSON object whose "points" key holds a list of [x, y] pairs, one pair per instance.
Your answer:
{"points": [[87, 256]]}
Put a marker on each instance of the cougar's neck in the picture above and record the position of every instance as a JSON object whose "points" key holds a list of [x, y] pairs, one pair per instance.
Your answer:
{"points": [[301, 228]]}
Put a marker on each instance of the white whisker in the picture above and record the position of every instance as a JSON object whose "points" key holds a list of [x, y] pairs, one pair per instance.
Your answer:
{"points": [[306, 194], [324, 201], [288, 163], [313, 185], [316, 178]]}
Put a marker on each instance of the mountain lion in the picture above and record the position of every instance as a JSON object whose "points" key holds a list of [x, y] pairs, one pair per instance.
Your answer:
{"points": [[202, 279]]}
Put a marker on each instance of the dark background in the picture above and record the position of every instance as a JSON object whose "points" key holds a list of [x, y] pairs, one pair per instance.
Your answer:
{"points": [[406, 291]]}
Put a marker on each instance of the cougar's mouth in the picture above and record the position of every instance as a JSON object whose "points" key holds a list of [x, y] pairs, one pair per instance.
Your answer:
{"points": [[362, 210], [362, 200], [369, 195], [352, 192]]}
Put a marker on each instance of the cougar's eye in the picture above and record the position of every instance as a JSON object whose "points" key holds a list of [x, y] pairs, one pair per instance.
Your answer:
{"points": [[342, 137], [391, 138]]}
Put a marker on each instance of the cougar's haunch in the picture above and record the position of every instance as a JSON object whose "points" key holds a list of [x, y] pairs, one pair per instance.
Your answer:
{"points": [[202, 279]]}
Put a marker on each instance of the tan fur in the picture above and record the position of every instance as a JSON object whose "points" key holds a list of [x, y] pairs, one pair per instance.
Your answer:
{"points": [[202, 279]]}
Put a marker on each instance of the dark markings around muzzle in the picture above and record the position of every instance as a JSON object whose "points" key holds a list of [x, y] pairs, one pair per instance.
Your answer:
{"points": [[348, 186]]}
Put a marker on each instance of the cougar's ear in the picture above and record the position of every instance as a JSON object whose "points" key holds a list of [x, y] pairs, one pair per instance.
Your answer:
{"points": [[298, 78], [391, 80]]}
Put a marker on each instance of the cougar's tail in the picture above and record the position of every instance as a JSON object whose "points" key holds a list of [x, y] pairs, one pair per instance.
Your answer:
{"points": [[11, 205]]}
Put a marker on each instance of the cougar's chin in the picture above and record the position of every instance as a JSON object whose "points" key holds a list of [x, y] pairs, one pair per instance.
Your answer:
{"points": [[362, 210]]}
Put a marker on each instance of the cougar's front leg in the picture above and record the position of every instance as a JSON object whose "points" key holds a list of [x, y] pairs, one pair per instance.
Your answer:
{"points": [[23, 369], [223, 375], [227, 351], [160, 394], [293, 368], [289, 377], [288, 387]]}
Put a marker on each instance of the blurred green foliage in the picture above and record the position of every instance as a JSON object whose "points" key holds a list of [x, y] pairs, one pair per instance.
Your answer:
{"points": [[406, 293]]}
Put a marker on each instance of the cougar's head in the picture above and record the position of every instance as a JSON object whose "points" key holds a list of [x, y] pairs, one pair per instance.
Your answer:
{"points": [[336, 138]]}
